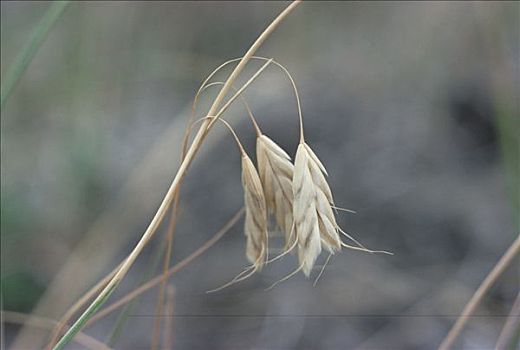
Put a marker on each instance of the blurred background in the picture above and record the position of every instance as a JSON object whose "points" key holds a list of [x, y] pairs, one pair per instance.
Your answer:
{"points": [[412, 107]]}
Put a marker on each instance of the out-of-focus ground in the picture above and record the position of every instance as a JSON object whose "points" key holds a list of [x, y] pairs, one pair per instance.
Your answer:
{"points": [[405, 103]]}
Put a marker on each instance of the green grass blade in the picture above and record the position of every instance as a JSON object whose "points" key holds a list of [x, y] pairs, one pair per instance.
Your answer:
{"points": [[27, 54], [87, 314]]}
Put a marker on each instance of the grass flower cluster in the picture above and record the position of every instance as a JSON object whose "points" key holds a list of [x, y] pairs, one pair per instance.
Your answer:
{"points": [[297, 196]]}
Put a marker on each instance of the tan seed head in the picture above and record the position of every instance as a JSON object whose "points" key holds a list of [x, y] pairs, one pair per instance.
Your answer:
{"points": [[276, 174], [314, 218], [327, 221], [255, 227], [306, 223]]}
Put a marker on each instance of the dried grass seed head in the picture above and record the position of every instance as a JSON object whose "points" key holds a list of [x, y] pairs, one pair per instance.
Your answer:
{"points": [[324, 202], [276, 174], [315, 223], [306, 223], [255, 227]]}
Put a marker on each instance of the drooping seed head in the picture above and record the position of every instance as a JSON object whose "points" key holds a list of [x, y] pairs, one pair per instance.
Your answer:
{"points": [[276, 174], [324, 202], [306, 223], [255, 227], [314, 218]]}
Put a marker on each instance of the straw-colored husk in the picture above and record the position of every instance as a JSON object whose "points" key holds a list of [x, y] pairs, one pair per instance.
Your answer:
{"points": [[327, 221], [314, 219], [276, 174], [255, 227], [305, 214]]}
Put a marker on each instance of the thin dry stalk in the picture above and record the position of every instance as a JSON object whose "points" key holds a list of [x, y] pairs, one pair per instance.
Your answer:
{"points": [[54, 302], [166, 263], [168, 324], [171, 230], [216, 70], [475, 300], [176, 268], [512, 323], [45, 323]]}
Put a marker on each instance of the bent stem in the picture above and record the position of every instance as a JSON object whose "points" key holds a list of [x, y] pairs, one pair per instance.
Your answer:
{"points": [[475, 300], [205, 84], [192, 151], [246, 105]]}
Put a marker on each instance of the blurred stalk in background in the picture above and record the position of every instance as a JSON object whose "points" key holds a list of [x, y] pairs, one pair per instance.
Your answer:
{"points": [[24, 58]]}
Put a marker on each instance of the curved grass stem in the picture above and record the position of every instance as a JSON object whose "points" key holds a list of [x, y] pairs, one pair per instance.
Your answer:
{"points": [[157, 219]]}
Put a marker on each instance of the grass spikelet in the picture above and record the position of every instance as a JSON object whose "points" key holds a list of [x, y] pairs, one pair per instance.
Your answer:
{"points": [[313, 211], [276, 171], [255, 227], [306, 223], [276, 174], [326, 220]]}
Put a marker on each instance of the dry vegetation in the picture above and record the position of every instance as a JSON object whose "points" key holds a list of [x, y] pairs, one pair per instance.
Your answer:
{"points": [[280, 198]]}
